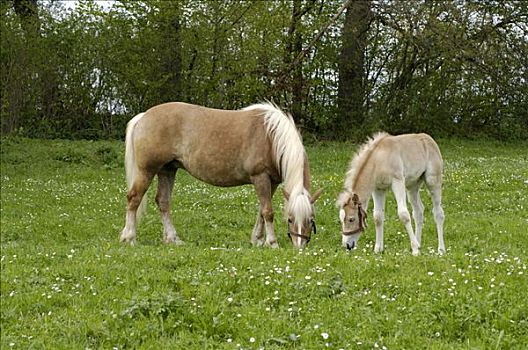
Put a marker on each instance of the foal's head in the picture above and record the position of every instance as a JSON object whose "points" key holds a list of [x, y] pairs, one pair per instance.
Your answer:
{"points": [[353, 218], [300, 212]]}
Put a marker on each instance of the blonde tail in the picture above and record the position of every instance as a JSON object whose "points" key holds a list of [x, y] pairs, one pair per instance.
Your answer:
{"points": [[130, 162]]}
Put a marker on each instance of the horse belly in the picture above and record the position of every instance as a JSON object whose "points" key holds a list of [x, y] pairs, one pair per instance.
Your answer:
{"points": [[217, 171]]}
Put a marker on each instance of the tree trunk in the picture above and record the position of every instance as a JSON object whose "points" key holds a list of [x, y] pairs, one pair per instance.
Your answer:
{"points": [[352, 75], [295, 87], [293, 48], [27, 11], [171, 68], [48, 103]]}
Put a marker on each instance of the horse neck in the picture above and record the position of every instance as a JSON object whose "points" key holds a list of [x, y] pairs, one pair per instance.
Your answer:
{"points": [[297, 177], [363, 185], [295, 186]]}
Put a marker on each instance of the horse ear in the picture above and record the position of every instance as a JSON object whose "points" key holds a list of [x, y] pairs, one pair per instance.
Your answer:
{"points": [[343, 199], [286, 194], [316, 195], [355, 198]]}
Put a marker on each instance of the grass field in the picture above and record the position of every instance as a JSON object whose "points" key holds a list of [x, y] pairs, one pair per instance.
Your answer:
{"points": [[67, 283]]}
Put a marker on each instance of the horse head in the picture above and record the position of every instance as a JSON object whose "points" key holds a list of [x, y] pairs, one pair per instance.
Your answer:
{"points": [[353, 218], [301, 216]]}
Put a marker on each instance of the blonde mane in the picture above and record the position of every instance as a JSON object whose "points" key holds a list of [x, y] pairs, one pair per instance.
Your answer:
{"points": [[360, 159], [289, 156]]}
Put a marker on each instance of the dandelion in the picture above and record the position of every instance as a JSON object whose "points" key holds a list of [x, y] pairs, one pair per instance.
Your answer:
{"points": [[325, 335], [307, 278], [229, 299], [430, 273], [251, 340]]}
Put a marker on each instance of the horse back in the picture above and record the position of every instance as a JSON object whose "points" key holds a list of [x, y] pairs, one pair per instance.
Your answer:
{"points": [[412, 156]]}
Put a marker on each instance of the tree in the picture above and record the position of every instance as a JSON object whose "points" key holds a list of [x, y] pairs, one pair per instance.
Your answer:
{"points": [[171, 66], [293, 47], [352, 75]]}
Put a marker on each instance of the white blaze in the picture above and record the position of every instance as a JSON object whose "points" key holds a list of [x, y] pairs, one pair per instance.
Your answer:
{"points": [[299, 238], [342, 216]]}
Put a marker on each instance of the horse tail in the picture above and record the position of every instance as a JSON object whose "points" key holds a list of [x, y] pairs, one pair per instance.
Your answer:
{"points": [[131, 168]]}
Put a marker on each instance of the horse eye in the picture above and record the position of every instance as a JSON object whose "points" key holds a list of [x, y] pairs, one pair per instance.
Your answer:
{"points": [[351, 219], [290, 221]]}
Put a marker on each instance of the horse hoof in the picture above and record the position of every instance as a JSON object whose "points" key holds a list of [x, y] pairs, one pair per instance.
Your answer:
{"points": [[258, 243], [174, 241], [273, 245], [416, 252], [127, 240], [441, 251]]}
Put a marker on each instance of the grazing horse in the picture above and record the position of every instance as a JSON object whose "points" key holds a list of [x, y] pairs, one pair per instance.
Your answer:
{"points": [[257, 145], [402, 163]]}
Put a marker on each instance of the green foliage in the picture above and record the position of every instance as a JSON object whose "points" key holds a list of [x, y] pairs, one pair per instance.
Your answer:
{"points": [[447, 68], [66, 281]]}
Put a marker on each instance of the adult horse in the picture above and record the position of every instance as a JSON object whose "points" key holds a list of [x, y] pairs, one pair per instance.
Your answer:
{"points": [[257, 145], [402, 163]]}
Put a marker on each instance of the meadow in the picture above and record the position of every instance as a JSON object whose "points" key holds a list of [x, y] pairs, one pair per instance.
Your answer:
{"points": [[67, 283]]}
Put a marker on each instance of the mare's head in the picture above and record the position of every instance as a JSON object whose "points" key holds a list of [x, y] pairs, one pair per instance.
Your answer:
{"points": [[299, 210], [353, 218]]}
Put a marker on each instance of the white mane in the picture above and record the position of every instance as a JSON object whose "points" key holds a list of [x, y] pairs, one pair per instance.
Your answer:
{"points": [[289, 156], [360, 158]]}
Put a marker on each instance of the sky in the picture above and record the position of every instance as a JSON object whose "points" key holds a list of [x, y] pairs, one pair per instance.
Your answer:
{"points": [[73, 3]]}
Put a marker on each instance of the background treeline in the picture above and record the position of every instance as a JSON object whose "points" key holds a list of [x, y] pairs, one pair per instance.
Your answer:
{"points": [[450, 68]]}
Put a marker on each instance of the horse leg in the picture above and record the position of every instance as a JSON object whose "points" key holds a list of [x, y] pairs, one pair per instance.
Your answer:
{"points": [[163, 197], [418, 211], [134, 197], [257, 235], [379, 217], [398, 187], [264, 191], [438, 212]]}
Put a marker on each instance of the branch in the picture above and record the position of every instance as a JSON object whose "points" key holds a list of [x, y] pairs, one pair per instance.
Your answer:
{"points": [[323, 30], [284, 74]]}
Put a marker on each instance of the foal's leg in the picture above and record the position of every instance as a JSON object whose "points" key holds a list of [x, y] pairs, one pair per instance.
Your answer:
{"points": [[379, 217], [418, 211], [134, 197], [163, 197], [438, 212], [398, 187], [265, 190]]}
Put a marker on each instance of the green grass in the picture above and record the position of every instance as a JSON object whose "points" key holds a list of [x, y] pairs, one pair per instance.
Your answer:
{"points": [[66, 281]]}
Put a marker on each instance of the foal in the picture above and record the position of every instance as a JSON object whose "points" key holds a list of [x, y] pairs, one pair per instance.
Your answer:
{"points": [[401, 163]]}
